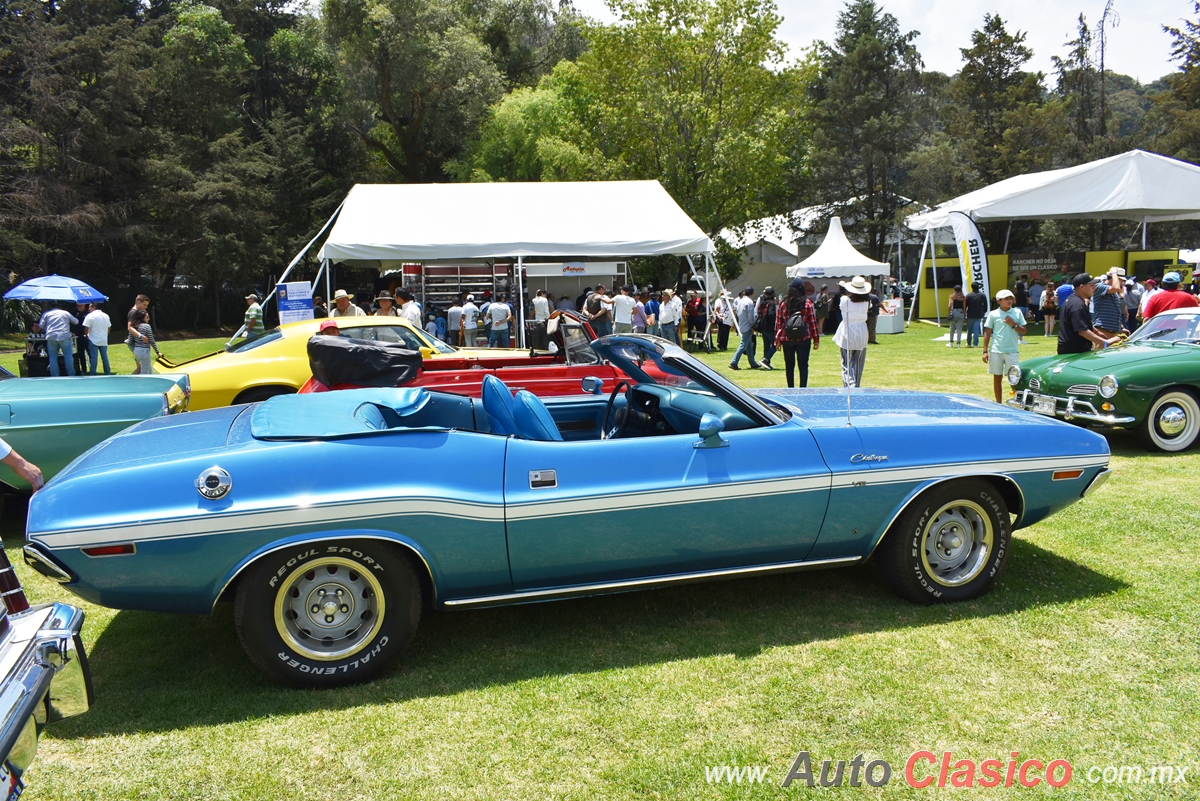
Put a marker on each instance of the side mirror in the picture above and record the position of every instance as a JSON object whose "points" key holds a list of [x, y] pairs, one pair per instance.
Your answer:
{"points": [[593, 385], [711, 427], [426, 352]]}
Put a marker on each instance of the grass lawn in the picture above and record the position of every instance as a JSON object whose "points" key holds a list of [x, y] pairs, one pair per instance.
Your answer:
{"points": [[1086, 651]]}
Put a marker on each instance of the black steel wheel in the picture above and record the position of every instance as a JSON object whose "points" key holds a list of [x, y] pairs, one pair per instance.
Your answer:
{"points": [[949, 545], [329, 613]]}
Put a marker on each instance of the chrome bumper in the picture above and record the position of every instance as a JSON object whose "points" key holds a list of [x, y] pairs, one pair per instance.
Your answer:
{"points": [[1071, 409], [46, 677]]}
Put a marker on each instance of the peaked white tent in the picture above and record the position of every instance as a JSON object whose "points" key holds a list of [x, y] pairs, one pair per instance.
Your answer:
{"points": [[1140, 186], [837, 258]]}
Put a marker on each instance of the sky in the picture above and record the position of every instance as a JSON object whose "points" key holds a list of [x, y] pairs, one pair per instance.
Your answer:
{"points": [[1136, 46]]}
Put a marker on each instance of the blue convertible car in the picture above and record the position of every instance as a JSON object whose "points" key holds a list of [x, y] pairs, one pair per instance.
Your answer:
{"points": [[332, 520]]}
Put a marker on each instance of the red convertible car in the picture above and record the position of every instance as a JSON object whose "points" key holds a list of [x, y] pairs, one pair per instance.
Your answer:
{"points": [[344, 363]]}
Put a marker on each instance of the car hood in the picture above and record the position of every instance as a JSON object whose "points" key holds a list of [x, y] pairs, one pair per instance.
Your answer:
{"points": [[827, 407], [1072, 367]]}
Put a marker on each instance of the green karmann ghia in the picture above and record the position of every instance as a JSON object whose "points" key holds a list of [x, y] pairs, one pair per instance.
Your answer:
{"points": [[1151, 383], [50, 421]]}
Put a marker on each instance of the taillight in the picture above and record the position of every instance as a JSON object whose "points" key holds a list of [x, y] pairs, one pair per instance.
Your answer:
{"points": [[124, 549], [10, 587]]}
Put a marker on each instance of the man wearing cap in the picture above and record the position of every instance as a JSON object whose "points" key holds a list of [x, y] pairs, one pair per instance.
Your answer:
{"points": [[254, 317], [470, 322], [343, 307], [1075, 331], [1171, 297], [743, 309], [1002, 332], [329, 328], [650, 305]]}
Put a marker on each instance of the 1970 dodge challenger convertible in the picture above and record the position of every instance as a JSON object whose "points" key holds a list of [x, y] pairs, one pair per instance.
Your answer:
{"points": [[332, 520]]}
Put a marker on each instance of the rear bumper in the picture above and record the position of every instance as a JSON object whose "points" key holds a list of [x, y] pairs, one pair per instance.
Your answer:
{"points": [[1071, 409], [46, 678]]}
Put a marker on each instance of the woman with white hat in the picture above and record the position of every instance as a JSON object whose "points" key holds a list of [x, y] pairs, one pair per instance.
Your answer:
{"points": [[851, 334]]}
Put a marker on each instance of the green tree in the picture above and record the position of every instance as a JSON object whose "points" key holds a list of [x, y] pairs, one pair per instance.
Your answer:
{"points": [[420, 80], [690, 93], [864, 106], [1077, 82]]}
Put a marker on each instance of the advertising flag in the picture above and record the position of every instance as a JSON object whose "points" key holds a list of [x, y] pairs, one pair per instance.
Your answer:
{"points": [[971, 255]]}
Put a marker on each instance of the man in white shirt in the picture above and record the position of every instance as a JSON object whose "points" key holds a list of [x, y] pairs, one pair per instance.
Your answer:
{"points": [[454, 322], [499, 315], [541, 313], [623, 306], [343, 307], [470, 322], [669, 314], [408, 307], [96, 326]]}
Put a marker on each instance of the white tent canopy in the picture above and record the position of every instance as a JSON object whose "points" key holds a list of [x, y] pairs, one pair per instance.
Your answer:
{"points": [[1137, 185], [423, 222], [837, 258]]}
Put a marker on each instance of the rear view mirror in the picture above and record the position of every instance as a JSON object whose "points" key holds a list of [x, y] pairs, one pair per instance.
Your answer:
{"points": [[593, 385]]}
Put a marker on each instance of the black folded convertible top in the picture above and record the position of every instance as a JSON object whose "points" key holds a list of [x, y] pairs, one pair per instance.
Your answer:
{"points": [[362, 362]]}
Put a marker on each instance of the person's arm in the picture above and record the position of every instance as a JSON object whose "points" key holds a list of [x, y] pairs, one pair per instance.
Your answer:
{"points": [[1020, 327], [26, 470], [987, 340]]}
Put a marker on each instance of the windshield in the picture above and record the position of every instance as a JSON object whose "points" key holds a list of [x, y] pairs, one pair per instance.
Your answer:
{"points": [[1170, 328], [250, 344], [651, 360], [577, 345]]}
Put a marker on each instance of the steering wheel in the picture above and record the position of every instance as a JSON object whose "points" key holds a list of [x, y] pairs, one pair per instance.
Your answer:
{"points": [[622, 416]]}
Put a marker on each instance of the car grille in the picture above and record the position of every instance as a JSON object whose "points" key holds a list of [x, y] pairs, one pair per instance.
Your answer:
{"points": [[1035, 385], [1083, 389]]}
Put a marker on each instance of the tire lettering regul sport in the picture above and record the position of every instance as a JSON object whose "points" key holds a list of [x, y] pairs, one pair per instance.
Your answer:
{"points": [[284, 656], [338, 549]]}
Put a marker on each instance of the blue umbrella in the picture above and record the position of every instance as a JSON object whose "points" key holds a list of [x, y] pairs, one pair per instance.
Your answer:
{"points": [[54, 287]]}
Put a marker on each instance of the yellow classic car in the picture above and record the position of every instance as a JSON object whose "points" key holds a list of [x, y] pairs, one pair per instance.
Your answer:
{"points": [[276, 363]]}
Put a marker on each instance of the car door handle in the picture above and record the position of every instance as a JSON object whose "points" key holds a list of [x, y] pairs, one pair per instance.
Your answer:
{"points": [[543, 479]]}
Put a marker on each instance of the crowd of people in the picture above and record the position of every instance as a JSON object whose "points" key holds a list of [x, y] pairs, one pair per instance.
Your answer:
{"points": [[77, 343], [1090, 311]]}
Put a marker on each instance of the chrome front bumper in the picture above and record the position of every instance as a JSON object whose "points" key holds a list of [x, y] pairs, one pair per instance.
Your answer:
{"points": [[1071, 409], [45, 677]]}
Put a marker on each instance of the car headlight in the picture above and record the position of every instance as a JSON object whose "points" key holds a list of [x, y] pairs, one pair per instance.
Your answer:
{"points": [[1108, 386], [1014, 375]]}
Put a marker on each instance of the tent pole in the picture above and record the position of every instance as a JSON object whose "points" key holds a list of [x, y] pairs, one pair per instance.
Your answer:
{"points": [[1145, 225], [1007, 234], [328, 278], [920, 271], [937, 304], [520, 299]]}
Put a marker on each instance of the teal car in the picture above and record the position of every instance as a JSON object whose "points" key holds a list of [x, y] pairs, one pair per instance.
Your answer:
{"points": [[50, 421], [1151, 383]]}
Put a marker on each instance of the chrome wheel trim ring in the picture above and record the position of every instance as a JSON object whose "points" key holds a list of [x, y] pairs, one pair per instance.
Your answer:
{"points": [[330, 610], [957, 543]]}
